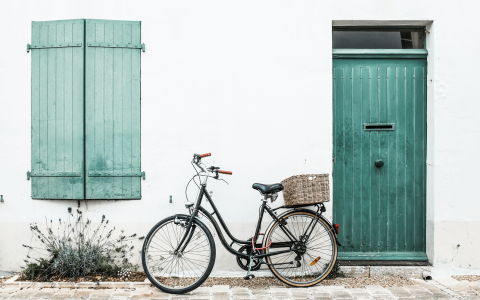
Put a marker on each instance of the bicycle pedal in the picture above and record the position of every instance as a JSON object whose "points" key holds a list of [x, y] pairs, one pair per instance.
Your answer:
{"points": [[248, 277]]}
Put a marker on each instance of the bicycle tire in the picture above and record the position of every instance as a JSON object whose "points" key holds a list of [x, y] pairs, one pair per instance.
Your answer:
{"points": [[324, 229], [167, 283]]}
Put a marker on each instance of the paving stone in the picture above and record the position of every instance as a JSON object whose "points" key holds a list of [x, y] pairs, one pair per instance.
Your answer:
{"points": [[280, 291], [6, 295], [11, 285], [301, 293], [377, 290], [82, 294], [142, 297], [100, 294], [472, 285], [387, 297], [141, 284], [44, 294], [399, 292], [320, 289], [261, 292], [121, 293], [341, 294], [360, 294], [64, 291], [324, 295], [147, 290], [202, 291], [335, 287], [418, 292], [240, 290], [221, 287], [454, 285], [61, 296], [9, 291], [220, 295], [23, 296], [261, 297], [160, 296], [242, 295]]}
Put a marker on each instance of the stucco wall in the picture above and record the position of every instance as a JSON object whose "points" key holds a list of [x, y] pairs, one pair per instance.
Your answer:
{"points": [[250, 82]]}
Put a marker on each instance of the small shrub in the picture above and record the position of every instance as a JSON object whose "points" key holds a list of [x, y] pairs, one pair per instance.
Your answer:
{"points": [[335, 271], [38, 271], [75, 249]]}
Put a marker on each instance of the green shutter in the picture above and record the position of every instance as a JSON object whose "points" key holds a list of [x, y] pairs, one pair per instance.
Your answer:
{"points": [[112, 109], [57, 109]]}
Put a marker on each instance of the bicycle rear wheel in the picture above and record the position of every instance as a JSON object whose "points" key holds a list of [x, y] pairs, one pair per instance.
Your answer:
{"points": [[182, 272], [313, 260]]}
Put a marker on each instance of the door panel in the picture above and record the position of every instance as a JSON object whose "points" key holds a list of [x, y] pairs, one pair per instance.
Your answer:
{"points": [[381, 210]]}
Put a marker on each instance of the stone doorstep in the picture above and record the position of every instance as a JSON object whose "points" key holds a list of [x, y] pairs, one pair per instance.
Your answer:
{"points": [[369, 271]]}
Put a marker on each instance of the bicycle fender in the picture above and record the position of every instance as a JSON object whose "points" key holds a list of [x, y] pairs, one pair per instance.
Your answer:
{"points": [[332, 229]]}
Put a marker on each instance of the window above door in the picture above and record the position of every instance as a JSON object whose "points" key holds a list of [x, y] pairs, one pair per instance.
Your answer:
{"points": [[378, 38]]}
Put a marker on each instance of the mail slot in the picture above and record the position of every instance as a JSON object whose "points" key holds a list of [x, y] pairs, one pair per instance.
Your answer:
{"points": [[378, 126]]}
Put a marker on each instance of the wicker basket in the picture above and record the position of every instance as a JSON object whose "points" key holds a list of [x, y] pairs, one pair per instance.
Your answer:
{"points": [[306, 189]]}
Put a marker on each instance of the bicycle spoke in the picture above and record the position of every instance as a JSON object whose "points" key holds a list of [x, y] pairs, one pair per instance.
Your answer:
{"points": [[319, 245], [174, 270]]}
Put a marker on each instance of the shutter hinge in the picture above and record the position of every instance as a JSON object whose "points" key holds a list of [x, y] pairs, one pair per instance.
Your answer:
{"points": [[53, 174], [113, 45], [117, 174], [333, 160], [58, 45]]}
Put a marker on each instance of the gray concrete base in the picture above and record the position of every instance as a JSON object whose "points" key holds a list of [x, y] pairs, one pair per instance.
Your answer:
{"points": [[400, 271]]}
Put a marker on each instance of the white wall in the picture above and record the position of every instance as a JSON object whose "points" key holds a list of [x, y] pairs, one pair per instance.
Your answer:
{"points": [[250, 82]]}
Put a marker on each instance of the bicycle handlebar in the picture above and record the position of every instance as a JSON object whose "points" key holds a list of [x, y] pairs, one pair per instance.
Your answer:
{"points": [[197, 161]]}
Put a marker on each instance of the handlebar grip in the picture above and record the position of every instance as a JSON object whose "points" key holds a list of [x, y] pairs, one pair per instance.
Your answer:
{"points": [[225, 172], [205, 155]]}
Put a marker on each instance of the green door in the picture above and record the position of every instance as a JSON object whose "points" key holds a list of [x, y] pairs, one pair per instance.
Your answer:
{"points": [[379, 117]]}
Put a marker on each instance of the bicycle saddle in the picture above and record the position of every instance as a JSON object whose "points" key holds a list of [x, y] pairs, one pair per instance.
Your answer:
{"points": [[267, 188]]}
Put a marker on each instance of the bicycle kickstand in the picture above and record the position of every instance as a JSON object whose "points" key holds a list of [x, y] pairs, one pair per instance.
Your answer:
{"points": [[249, 276]]}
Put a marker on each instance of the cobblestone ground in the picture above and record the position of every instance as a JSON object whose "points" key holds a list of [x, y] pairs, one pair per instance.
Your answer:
{"points": [[443, 288]]}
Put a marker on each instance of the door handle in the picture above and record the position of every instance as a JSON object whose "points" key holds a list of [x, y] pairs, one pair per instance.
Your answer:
{"points": [[379, 163]]}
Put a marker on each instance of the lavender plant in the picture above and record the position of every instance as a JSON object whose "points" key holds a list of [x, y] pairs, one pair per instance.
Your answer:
{"points": [[76, 248]]}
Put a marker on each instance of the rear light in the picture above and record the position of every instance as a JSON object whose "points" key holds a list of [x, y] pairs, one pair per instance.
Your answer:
{"points": [[337, 228]]}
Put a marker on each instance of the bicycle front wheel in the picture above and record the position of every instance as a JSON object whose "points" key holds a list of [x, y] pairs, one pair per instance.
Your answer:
{"points": [[181, 272], [310, 262]]}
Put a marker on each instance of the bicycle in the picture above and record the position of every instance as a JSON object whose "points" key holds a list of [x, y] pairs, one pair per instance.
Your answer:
{"points": [[179, 252]]}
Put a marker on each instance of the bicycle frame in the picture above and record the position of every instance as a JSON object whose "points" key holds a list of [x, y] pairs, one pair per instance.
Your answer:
{"points": [[189, 232]]}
